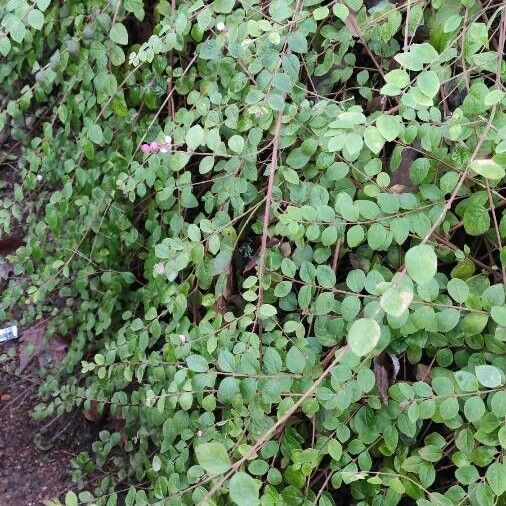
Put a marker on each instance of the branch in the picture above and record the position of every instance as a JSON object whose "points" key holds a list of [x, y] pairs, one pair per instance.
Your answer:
{"points": [[267, 212], [268, 434]]}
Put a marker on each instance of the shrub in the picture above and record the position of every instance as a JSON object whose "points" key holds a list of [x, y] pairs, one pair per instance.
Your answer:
{"points": [[273, 231]]}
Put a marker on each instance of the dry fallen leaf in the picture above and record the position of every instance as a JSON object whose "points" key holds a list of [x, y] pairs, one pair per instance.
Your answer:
{"points": [[31, 343], [386, 368], [92, 414], [34, 345], [10, 244], [5, 269], [423, 373]]}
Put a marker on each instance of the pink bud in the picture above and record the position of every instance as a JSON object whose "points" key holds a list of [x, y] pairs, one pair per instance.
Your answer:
{"points": [[145, 148], [154, 146]]}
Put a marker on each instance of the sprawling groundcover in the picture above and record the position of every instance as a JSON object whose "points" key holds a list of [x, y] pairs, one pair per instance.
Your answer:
{"points": [[272, 231]]}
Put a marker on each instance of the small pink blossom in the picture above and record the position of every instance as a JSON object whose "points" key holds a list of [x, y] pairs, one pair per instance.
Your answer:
{"points": [[158, 147]]}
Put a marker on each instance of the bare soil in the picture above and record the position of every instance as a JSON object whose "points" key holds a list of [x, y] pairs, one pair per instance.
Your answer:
{"points": [[34, 456]]}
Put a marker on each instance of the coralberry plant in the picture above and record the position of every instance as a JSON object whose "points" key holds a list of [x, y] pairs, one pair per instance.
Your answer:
{"points": [[273, 233]]}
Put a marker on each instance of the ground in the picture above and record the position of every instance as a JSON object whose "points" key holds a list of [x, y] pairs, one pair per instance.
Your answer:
{"points": [[30, 475]]}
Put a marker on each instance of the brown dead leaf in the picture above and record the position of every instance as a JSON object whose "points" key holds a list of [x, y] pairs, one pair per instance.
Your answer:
{"points": [[10, 244], [398, 189], [250, 264], [222, 301], [57, 348], [5, 269], [382, 376], [117, 423], [92, 414], [386, 368], [31, 343], [423, 373], [253, 261], [285, 249], [400, 179]]}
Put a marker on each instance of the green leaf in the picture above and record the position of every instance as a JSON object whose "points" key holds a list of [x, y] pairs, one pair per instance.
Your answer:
{"points": [[266, 311], [210, 50], [35, 19], [498, 314], [398, 78], [213, 457], [373, 139], [244, 490], [389, 126], [295, 360], [335, 449], [496, 477], [236, 143], [283, 288], [272, 361], [326, 276], [15, 26], [363, 336], [223, 6], [43, 4], [474, 323], [452, 23], [5, 46], [493, 97], [466, 381], [467, 474], [488, 168], [476, 219], [135, 6], [194, 137], [396, 299], [489, 376], [449, 408], [320, 13], [474, 408], [156, 463], [95, 134], [197, 363], [501, 435], [355, 236], [71, 499], [421, 263], [458, 290], [428, 83], [280, 10], [329, 236], [297, 159], [341, 11], [297, 42], [119, 34]]}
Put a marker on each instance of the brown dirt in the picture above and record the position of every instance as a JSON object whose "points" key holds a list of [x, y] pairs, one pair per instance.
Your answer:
{"points": [[29, 475]]}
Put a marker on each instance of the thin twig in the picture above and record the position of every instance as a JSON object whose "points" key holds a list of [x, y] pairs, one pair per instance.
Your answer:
{"points": [[267, 212], [496, 227], [269, 433]]}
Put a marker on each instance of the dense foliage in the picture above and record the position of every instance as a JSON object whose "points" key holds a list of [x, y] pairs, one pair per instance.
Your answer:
{"points": [[273, 232]]}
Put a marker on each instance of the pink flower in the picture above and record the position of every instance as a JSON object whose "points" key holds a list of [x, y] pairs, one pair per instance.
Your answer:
{"points": [[156, 147]]}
